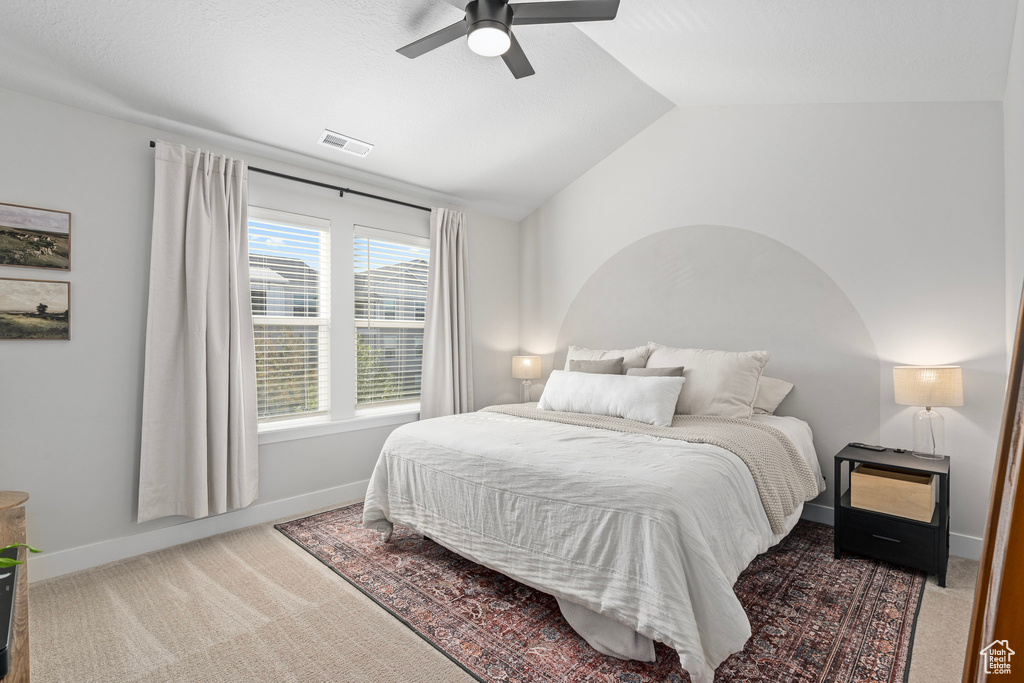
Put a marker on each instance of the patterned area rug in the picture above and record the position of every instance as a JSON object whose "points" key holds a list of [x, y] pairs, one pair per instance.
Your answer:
{"points": [[813, 618]]}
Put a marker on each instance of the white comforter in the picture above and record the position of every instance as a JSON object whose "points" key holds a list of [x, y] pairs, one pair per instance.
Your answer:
{"points": [[651, 532]]}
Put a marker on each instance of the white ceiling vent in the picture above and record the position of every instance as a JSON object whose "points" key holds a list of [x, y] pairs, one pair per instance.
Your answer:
{"points": [[346, 144]]}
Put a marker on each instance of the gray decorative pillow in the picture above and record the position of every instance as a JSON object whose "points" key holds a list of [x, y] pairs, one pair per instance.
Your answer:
{"points": [[656, 372], [605, 366]]}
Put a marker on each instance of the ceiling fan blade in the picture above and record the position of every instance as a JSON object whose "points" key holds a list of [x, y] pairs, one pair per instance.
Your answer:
{"points": [[560, 12], [516, 61], [434, 40]]}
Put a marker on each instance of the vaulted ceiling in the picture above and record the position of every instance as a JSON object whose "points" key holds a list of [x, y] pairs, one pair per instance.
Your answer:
{"points": [[452, 122]]}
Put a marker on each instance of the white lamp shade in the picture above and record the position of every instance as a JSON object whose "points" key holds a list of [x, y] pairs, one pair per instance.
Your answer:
{"points": [[928, 385], [526, 367]]}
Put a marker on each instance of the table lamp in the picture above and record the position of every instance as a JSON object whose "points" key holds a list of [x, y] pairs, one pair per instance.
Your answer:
{"points": [[525, 368], [928, 386]]}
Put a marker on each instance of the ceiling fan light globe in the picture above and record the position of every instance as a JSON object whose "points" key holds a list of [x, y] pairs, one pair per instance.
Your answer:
{"points": [[490, 40]]}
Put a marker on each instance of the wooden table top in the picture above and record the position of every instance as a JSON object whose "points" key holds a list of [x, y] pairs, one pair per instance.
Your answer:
{"points": [[12, 499]]}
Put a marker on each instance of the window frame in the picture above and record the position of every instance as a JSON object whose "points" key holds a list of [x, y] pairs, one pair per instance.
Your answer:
{"points": [[403, 239], [322, 320]]}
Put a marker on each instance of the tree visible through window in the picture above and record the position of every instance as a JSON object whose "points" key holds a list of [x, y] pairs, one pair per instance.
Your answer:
{"points": [[289, 279], [390, 299]]}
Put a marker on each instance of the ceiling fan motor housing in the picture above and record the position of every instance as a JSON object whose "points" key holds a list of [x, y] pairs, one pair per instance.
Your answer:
{"points": [[489, 13]]}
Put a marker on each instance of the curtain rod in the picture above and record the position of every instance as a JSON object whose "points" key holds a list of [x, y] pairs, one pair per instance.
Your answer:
{"points": [[341, 190]]}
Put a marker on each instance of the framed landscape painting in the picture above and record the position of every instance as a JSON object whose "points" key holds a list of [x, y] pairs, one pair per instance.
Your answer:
{"points": [[34, 309], [34, 238]]}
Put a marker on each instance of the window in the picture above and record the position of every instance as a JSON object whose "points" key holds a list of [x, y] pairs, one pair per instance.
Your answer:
{"points": [[289, 281], [390, 298]]}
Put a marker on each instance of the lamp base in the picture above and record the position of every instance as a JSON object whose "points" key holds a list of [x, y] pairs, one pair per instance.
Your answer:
{"points": [[926, 456], [524, 391], [929, 434]]}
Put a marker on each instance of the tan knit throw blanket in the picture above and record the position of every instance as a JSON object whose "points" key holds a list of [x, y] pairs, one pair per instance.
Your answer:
{"points": [[783, 478]]}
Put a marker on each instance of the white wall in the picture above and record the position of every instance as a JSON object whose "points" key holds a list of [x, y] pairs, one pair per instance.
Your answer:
{"points": [[1013, 145], [900, 204], [70, 411]]}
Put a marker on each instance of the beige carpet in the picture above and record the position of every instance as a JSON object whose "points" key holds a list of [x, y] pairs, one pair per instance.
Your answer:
{"points": [[252, 606], [945, 618]]}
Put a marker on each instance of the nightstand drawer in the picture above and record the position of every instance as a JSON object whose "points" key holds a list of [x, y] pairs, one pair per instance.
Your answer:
{"points": [[913, 545]]}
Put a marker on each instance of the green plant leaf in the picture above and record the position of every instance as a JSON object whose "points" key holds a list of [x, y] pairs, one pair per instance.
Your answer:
{"points": [[8, 562], [21, 545]]}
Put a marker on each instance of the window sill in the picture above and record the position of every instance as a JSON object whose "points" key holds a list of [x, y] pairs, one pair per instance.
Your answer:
{"points": [[295, 430]]}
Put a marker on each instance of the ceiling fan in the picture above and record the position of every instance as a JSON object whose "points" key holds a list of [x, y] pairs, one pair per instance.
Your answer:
{"points": [[488, 27]]}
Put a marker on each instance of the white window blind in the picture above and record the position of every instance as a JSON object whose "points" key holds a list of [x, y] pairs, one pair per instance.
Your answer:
{"points": [[390, 300], [289, 277]]}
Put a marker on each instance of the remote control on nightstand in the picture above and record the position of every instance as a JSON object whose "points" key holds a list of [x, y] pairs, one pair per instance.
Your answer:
{"points": [[867, 446]]}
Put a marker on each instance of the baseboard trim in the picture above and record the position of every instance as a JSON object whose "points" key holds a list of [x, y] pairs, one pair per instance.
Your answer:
{"points": [[960, 545], [818, 513], [49, 565], [963, 545]]}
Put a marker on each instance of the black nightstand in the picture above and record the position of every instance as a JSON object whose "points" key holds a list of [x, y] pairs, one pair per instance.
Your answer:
{"points": [[921, 545]]}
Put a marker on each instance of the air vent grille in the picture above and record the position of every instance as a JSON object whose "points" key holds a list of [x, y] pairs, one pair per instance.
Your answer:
{"points": [[330, 138]]}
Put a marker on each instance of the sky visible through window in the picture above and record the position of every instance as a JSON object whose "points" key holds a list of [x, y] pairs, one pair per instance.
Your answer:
{"points": [[271, 239], [385, 253]]}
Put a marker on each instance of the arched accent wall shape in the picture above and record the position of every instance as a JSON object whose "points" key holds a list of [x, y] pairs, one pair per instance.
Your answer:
{"points": [[716, 287]]}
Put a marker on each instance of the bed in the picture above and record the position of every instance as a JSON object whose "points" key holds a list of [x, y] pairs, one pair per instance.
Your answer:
{"points": [[639, 535]]}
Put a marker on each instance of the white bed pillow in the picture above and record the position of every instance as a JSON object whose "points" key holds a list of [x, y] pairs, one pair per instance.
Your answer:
{"points": [[770, 392], [631, 358], [644, 399], [722, 383]]}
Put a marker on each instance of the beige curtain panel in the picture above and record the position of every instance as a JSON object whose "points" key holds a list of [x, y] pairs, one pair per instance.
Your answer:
{"points": [[199, 448], [447, 344]]}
